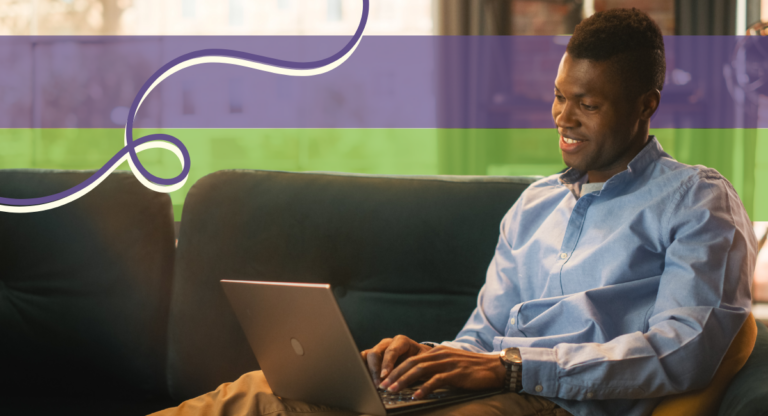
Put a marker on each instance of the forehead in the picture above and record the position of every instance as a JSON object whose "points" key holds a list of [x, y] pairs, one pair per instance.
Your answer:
{"points": [[582, 77]]}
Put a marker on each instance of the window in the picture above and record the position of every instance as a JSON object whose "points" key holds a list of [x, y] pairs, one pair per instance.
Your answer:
{"points": [[236, 12], [188, 8], [334, 11]]}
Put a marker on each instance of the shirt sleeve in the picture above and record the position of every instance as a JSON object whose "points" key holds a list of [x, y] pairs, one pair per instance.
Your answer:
{"points": [[703, 299], [497, 296]]}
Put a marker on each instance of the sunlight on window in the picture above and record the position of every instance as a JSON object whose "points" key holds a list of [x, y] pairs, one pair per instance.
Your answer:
{"points": [[334, 10], [236, 12], [188, 8], [212, 17]]}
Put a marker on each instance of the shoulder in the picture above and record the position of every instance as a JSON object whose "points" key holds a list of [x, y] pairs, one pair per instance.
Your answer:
{"points": [[698, 195], [684, 181], [668, 165], [676, 179]]}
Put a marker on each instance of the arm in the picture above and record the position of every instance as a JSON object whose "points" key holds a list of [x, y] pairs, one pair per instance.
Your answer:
{"points": [[703, 298], [468, 365]]}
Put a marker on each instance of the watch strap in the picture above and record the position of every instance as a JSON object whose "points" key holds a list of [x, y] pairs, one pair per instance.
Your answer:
{"points": [[514, 378]]}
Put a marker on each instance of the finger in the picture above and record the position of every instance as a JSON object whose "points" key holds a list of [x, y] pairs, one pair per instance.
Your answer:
{"points": [[437, 381], [431, 355], [399, 346], [373, 359], [374, 366], [414, 369]]}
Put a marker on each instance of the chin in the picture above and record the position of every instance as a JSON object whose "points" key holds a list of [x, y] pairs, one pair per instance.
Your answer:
{"points": [[573, 164]]}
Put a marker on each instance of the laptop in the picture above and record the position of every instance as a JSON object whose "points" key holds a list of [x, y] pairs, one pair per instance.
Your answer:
{"points": [[307, 353]]}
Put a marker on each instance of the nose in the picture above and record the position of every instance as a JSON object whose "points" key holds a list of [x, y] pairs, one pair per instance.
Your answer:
{"points": [[564, 114]]}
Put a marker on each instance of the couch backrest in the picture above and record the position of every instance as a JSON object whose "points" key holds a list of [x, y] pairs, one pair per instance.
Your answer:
{"points": [[404, 255], [84, 288]]}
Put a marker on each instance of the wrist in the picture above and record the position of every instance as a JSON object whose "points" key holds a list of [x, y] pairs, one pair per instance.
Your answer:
{"points": [[513, 364], [500, 370]]}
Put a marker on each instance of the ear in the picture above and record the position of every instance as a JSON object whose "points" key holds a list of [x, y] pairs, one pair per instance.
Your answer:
{"points": [[649, 102]]}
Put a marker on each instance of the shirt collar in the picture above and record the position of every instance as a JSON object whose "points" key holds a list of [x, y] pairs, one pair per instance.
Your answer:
{"points": [[572, 178]]}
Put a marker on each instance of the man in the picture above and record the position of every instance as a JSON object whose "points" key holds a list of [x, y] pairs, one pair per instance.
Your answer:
{"points": [[616, 283], [626, 277]]}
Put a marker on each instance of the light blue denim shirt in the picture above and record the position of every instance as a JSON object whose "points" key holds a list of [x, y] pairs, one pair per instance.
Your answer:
{"points": [[623, 295]]}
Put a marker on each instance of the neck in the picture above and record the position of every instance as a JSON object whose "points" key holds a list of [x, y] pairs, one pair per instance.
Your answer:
{"points": [[621, 164]]}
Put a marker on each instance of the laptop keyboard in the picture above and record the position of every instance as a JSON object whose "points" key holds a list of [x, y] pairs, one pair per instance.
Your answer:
{"points": [[405, 396]]}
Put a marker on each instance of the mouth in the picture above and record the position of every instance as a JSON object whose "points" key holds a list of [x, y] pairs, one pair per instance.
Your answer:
{"points": [[570, 144]]}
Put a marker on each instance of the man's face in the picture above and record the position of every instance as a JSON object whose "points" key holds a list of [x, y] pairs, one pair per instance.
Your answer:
{"points": [[598, 122]]}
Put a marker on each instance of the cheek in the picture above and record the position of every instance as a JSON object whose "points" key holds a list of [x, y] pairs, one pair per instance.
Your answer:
{"points": [[592, 125]]}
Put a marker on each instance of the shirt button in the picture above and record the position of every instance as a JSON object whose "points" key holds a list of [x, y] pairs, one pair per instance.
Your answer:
{"points": [[563, 256], [590, 395], [539, 388], [512, 321]]}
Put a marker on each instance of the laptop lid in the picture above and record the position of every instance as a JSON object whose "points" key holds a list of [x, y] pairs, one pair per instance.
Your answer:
{"points": [[303, 344]]}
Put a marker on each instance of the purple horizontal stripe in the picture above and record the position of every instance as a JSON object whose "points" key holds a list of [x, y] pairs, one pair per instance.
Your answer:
{"points": [[389, 82]]}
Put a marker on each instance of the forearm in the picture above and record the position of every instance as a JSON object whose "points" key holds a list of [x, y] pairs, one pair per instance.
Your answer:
{"points": [[676, 355]]}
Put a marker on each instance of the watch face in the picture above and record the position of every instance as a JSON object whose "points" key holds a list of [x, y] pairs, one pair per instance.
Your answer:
{"points": [[512, 355]]}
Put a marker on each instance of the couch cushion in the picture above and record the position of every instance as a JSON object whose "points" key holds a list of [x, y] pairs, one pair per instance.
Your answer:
{"points": [[415, 247], [84, 290]]}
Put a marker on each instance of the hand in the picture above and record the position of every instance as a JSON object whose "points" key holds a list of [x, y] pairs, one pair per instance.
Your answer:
{"points": [[383, 357], [444, 366]]}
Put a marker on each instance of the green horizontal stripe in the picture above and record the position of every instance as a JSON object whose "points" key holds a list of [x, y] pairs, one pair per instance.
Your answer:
{"points": [[741, 155]]}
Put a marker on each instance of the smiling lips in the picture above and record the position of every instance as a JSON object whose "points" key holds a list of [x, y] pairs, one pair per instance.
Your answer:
{"points": [[570, 145]]}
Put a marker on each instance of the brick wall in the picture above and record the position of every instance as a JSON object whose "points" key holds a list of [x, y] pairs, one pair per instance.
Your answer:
{"points": [[557, 18], [662, 11]]}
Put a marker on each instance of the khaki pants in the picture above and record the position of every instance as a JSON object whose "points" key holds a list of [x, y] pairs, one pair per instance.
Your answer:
{"points": [[250, 395]]}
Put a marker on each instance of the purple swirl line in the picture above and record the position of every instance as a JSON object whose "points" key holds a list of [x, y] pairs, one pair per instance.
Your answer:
{"points": [[131, 144]]}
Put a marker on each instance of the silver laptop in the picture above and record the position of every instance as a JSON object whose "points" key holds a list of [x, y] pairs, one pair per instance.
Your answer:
{"points": [[306, 351]]}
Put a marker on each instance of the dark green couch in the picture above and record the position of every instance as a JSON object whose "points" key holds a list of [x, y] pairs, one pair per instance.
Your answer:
{"points": [[99, 315], [84, 297]]}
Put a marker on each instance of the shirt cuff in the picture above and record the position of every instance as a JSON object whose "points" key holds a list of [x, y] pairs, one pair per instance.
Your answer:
{"points": [[540, 371], [466, 347]]}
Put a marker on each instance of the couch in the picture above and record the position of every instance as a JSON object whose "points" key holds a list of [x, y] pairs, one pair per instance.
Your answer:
{"points": [[84, 297], [100, 314]]}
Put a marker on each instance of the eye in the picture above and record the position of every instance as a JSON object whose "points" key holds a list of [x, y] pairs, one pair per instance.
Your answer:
{"points": [[559, 97], [588, 107]]}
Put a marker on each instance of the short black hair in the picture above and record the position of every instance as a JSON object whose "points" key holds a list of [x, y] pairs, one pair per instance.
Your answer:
{"points": [[628, 38]]}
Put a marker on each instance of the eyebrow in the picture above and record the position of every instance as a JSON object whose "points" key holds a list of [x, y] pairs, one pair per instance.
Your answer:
{"points": [[578, 95]]}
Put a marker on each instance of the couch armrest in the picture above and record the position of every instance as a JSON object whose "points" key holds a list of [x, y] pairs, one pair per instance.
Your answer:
{"points": [[747, 395], [705, 401]]}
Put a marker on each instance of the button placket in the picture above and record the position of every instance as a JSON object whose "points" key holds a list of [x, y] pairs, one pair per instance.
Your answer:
{"points": [[571, 237], [512, 321]]}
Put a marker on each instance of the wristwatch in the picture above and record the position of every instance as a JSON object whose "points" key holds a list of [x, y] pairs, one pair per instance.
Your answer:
{"points": [[511, 359]]}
